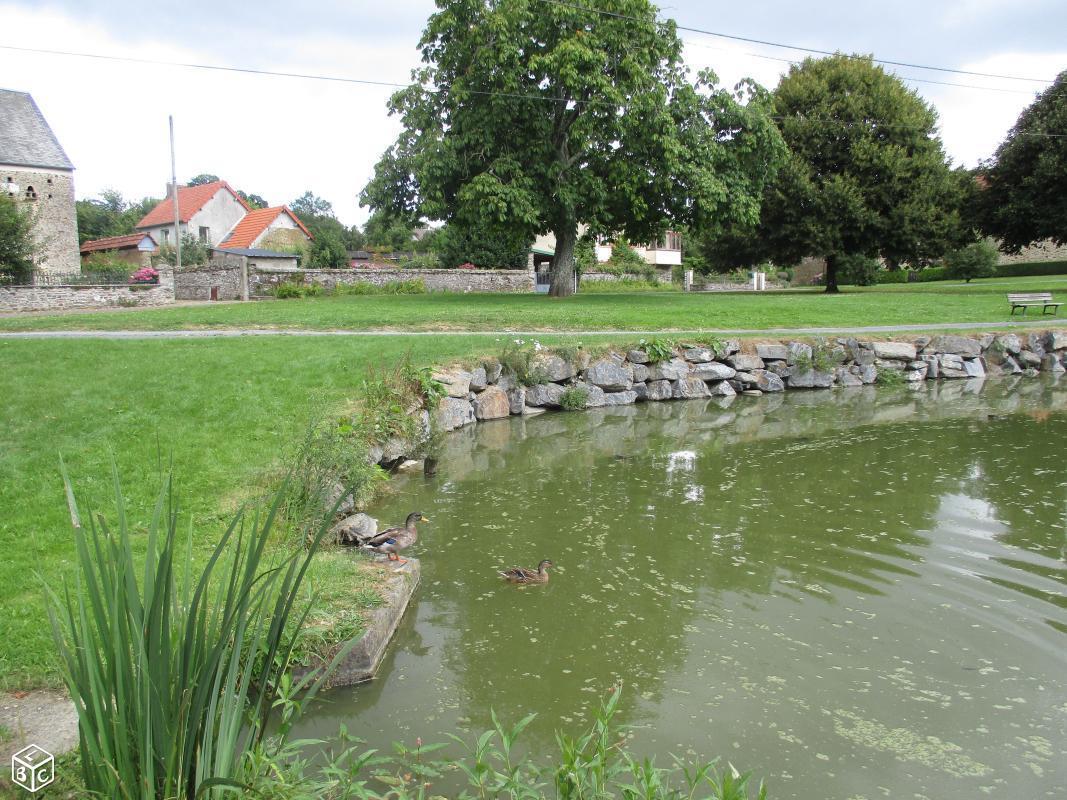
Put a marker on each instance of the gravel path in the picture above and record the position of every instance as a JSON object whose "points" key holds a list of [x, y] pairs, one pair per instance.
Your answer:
{"points": [[43, 717], [226, 333]]}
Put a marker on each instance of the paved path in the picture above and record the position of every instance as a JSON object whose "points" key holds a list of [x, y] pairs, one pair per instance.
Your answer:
{"points": [[226, 333]]}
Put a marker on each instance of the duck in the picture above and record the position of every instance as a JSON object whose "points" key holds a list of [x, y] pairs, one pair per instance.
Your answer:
{"points": [[523, 575], [392, 540]]}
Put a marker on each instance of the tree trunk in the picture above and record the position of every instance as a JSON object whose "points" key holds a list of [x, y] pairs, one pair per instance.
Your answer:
{"points": [[562, 283], [831, 275]]}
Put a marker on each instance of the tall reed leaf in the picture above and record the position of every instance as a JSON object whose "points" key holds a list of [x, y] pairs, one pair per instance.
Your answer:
{"points": [[173, 664]]}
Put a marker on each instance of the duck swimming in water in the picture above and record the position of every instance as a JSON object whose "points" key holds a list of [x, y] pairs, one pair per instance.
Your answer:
{"points": [[392, 540], [523, 575]]}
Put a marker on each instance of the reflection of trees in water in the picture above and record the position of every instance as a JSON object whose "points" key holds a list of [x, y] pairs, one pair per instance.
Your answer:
{"points": [[798, 493]]}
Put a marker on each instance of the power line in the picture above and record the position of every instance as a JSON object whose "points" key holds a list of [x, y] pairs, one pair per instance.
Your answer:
{"points": [[1028, 92], [767, 43], [389, 84]]}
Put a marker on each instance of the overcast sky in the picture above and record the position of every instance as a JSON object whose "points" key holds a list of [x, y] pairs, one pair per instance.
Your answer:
{"points": [[278, 137]]}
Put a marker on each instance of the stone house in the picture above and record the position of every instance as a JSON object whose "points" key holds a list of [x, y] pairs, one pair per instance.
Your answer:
{"points": [[135, 248], [274, 228], [36, 171], [208, 212]]}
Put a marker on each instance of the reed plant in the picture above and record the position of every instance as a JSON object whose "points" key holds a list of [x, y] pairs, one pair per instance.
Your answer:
{"points": [[174, 663]]}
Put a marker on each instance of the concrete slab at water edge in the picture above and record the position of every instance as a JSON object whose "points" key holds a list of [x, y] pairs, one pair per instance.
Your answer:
{"points": [[42, 717], [362, 660]]}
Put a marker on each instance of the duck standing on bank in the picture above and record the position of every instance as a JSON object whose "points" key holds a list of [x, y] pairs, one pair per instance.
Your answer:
{"points": [[524, 576], [392, 540]]}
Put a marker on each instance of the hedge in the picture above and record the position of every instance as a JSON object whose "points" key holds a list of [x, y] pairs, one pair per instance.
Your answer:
{"points": [[1036, 268]]}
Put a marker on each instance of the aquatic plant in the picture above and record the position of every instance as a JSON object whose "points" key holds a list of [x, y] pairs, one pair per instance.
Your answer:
{"points": [[175, 664]]}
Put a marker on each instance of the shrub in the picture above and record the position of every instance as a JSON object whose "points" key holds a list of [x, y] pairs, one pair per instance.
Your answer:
{"points": [[145, 275], [890, 377], [106, 264], [857, 269], [422, 261], [288, 290], [194, 252], [928, 274], [976, 260], [574, 398], [518, 361], [884, 276], [17, 248], [483, 244], [1035, 268]]}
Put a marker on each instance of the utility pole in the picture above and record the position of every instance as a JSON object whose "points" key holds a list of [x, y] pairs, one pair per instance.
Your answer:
{"points": [[174, 195]]}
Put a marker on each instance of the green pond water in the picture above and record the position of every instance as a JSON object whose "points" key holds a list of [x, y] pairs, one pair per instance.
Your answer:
{"points": [[852, 593]]}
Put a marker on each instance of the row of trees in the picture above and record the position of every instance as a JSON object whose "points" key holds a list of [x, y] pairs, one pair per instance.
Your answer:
{"points": [[532, 118]]}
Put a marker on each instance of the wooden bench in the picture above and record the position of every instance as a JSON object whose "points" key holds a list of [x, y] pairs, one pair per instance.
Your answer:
{"points": [[1024, 301]]}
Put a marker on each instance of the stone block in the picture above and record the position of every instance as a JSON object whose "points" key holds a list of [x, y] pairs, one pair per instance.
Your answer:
{"points": [[743, 362], [895, 351], [772, 352], [545, 395], [659, 390], [492, 403], [689, 388], [610, 375], [672, 370]]}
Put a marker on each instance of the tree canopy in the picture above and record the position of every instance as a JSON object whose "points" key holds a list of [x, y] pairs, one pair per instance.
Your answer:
{"points": [[110, 215], [866, 174], [17, 247], [546, 117], [1024, 198]]}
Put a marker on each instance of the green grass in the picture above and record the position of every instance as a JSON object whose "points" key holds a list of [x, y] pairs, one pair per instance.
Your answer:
{"points": [[894, 304], [225, 411]]}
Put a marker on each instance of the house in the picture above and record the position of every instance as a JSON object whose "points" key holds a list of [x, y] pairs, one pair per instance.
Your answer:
{"points": [[35, 170], [667, 252], [135, 248], [276, 228], [208, 212]]}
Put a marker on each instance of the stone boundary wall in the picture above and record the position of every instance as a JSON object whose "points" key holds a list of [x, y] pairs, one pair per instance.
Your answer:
{"points": [[436, 280], [72, 296], [196, 283], [1036, 253], [662, 276]]}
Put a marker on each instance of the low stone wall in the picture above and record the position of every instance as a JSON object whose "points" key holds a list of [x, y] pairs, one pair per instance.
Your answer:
{"points": [[66, 297], [436, 280], [196, 283], [726, 369], [662, 276]]}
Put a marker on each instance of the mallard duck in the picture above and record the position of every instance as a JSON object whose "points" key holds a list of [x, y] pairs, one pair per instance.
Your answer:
{"points": [[392, 540], [522, 575]]}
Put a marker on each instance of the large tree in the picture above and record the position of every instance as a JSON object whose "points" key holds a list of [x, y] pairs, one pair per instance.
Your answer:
{"points": [[110, 215], [867, 174], [1024, 197], [546, 117], [18, 251]]}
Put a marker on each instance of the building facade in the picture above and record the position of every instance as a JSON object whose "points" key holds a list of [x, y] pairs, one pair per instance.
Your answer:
{"points": [[36, 172], [207, 212]]}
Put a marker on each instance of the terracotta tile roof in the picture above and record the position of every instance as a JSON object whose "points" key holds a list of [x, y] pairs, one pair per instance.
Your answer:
{"points": [[190, 200], [116, 242], [254, 223]]}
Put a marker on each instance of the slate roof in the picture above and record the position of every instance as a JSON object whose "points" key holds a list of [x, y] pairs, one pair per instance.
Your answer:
{"points": [[25, 138], [190, 200], [254, 223], [126, 242]]}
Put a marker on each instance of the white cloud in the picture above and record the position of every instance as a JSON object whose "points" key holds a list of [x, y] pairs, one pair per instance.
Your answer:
{"points": [[276, 137]]}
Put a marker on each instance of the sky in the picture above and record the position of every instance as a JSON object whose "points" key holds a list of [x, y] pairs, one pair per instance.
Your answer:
{"points": [[278, 137]]}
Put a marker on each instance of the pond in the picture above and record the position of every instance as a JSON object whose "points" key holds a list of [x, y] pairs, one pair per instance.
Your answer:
{"points": [[852, 593]]}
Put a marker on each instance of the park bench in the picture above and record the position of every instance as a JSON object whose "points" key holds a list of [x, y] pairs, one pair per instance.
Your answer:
{"points": [[1024, 301]]}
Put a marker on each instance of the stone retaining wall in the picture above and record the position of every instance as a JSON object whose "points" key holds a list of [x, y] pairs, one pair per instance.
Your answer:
{"points": [[725, 369], [436, 280], [61, 298]]}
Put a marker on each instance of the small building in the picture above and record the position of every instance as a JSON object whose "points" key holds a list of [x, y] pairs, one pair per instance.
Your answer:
{"points": [[135, 248], [208, 212], [276, 228], [259, 259], [36, 171]]}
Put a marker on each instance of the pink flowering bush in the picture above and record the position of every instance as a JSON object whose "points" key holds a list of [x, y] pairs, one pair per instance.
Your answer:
{"points": [[466, 265], [145, 275]]}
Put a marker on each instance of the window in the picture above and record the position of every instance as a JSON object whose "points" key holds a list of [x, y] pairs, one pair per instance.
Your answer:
{"points": [[205, 234], [165, 236], [670, 241]]}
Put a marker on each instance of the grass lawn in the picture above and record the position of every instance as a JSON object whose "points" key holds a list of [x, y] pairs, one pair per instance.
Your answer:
{"points": [[897, 304], [226, 412]]}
